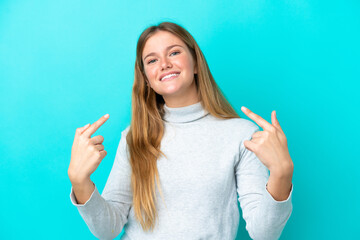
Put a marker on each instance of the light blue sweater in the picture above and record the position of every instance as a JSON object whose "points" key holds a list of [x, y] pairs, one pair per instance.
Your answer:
{"points": [[207, 167]]}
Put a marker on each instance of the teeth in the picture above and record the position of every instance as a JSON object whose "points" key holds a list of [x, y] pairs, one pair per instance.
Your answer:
{"points": [[169, 76]]}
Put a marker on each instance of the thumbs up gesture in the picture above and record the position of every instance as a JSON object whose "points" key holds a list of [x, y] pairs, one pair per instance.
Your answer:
{"points": [[86, 153]]}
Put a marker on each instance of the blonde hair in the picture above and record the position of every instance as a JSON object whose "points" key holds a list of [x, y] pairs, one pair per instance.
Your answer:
{"points": [[147, 126]]}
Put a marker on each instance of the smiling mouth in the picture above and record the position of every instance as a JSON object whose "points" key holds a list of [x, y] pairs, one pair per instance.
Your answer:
{"points": [[169, 77]]}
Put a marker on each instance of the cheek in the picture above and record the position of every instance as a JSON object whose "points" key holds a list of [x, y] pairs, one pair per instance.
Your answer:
{"points": [[187, 63], [149, 74], [152, 75]]}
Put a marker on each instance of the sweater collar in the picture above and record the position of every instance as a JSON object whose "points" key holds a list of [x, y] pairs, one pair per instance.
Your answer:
{"points": [[185, 114]]}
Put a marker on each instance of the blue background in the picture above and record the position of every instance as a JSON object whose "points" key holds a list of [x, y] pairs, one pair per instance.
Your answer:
{"points": [[64, 64]]}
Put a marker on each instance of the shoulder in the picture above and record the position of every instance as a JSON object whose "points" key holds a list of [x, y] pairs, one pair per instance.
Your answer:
{"points": [[123, 142], [240, 128], [241, 124], [123, 136], [125, 131]]}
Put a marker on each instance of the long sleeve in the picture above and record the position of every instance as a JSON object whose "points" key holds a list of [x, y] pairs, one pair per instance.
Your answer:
{"points": [[106, 214], [265, 217]]}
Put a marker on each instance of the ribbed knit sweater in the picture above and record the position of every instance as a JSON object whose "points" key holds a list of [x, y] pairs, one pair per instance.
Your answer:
{"points": [[207, 170]]}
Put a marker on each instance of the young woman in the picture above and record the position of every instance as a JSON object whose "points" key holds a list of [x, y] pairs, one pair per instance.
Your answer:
{"points": [[187, 145]]}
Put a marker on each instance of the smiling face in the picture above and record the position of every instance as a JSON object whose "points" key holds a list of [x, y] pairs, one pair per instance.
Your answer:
{"points": [[164, 54]]}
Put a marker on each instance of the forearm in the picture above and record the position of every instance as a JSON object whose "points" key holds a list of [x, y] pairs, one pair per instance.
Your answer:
{"points": [[83, 191], [267, 218], [279, 185], [105, 218]]}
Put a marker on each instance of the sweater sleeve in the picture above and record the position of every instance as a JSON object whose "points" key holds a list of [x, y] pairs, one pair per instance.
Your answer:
{"points": [[265, 217], [106, 214]]}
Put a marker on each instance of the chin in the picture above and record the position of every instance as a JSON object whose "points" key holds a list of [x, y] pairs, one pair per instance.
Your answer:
{"points": [[169, 94], [169, 91]]}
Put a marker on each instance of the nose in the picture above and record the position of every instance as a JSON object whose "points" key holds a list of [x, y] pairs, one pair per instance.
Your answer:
{"points": [[166, 63]]}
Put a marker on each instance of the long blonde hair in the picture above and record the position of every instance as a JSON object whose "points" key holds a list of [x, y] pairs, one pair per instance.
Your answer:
{"points": [[147, 126]]}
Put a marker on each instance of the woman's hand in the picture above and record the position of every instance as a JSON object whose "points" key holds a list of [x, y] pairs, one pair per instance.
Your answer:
{"points": [[270, 145], [86, 153]]}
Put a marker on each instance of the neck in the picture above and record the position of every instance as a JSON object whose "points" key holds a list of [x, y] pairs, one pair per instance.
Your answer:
{"points": [[189, 113]]}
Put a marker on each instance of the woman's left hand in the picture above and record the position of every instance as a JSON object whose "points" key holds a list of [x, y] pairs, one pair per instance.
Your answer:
{"points": [[270, 145]]}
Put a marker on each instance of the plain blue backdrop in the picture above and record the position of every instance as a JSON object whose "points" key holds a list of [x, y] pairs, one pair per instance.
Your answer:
{"points": [[64, 64]]}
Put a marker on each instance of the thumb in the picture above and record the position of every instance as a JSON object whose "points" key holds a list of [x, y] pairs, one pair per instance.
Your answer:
{"points": [[275, 121], [79, 131], [249, 145], [82, 129]]}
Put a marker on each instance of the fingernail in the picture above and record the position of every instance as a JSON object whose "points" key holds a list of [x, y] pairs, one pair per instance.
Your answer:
{"points": [[243, 108], [106, 115]]}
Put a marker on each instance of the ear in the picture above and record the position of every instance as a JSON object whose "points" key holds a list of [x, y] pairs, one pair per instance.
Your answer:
{"points": [[195, 69]]}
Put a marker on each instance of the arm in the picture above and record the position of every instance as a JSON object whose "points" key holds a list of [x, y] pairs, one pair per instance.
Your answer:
{"points": [[279, 185], [82, 192], [265, 217], [106, 214]]}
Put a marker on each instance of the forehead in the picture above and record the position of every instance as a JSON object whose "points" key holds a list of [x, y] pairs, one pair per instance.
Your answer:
{"points": [[159, 41]]}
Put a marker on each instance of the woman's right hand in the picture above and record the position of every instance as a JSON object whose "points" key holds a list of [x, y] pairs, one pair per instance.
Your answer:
{"points": [[86, 153]]}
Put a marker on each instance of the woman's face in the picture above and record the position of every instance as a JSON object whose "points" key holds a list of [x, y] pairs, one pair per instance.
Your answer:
{"points": [[165, 54]]}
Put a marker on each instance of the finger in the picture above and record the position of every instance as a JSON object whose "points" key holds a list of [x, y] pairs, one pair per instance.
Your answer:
{"points": [[275, 121], [103, 153], [97, 139], [99, 147], [79, 131], [257, 140], [250, 145], [257, 134], [259, 120], [95, 126]]}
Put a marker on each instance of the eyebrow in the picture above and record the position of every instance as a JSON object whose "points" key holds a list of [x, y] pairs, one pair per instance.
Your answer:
{"points": [[171, 46]]}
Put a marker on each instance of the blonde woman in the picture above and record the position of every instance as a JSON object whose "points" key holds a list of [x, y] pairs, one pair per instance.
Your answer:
{"points": [[186, 158]]}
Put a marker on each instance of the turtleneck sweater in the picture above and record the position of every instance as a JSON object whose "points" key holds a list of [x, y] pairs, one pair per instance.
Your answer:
{"points": [[207, 169]]}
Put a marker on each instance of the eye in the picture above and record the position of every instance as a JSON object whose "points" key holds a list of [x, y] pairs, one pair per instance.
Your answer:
{"points": [[151, 61], [175, 52]]}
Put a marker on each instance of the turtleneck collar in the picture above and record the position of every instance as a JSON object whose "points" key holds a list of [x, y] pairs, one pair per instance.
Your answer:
{"points": [[185, 114]]}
